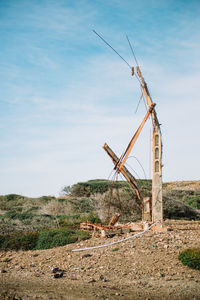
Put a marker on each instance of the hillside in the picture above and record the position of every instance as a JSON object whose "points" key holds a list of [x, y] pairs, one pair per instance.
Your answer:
{"points": [[144, 267], [93, 200]]}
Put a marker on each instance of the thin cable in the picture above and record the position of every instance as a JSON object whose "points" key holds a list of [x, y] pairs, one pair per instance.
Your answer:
{"points": [[132, 170], [139, 103], [144, 99], [150, 153], [139, 164], [132, 50], [112, 49], [110, 174]]}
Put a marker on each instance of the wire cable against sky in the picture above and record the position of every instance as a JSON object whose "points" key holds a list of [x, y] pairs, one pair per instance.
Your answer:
{"points": [[139, 164], [112, 49], [119, 54], [132, 51]]}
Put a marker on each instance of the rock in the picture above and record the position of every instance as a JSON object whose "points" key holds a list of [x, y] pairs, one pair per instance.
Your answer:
{"points": [[101, 277], [92, 280], [55, 270], [4, 271], [58, 275], [86, 255]]}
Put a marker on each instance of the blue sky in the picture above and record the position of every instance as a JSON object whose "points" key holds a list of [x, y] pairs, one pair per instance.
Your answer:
{"points": [[64, 92]]}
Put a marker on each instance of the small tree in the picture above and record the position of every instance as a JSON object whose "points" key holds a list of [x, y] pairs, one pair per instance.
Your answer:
{"points": [[66, 190]]}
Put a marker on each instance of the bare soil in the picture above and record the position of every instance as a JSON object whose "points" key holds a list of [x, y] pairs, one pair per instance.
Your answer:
{"points": [[145, 267]]}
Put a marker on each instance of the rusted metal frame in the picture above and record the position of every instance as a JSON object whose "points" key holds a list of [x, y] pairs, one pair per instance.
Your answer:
{"points": [[91, 226], [128, 176], [157, 208], [147, 96], [124, 157]]}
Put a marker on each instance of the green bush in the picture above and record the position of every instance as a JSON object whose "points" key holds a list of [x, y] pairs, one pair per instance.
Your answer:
{"points": [[18, 241], [92, 218], [58, 237], [191, 258], [20, 216], [81, 204], [46, 199], [33, 208], [12, 197], [91, 187], [64, 220], [47, 216], [194, 201], [43, 240], [2, 240]]}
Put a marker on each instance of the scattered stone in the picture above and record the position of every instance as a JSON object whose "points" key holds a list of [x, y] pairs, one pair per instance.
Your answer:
{"points": [[92, 280], [7, 259], [58, 275], [86, 255], [101, 277], [55, 270], [4, 271]]}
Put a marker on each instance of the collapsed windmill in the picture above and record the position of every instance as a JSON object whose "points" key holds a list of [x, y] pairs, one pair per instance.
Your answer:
{"points": [[152, 209]]}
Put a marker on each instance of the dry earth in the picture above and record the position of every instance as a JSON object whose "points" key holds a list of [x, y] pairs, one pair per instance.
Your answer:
{"points": [[193, 185], [145, 267]]}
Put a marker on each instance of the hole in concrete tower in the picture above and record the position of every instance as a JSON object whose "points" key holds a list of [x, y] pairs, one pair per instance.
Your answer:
{"points": [[156, 140], [156, 153], [156, 166]]}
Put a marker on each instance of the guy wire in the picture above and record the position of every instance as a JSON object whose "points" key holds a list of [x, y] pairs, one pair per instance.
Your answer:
{"points": [[112, 49], [132, 51]]}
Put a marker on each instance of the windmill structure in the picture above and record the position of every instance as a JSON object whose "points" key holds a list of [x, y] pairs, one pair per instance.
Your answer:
{"points": [[152, 209]]}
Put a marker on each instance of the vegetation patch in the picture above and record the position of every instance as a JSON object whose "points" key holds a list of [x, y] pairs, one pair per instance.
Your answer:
{"points": [[191, 258], [194, 202], [41, 240], [20, 216], [59, 237], [18, 241], [91, 187], [115, 249]]}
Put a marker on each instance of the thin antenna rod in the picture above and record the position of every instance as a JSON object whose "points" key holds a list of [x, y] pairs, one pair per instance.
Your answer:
{"points": [[112, 49], [132, 50]]}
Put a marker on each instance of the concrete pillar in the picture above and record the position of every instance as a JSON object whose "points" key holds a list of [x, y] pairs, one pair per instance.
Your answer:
{"points": [[157, 205]]}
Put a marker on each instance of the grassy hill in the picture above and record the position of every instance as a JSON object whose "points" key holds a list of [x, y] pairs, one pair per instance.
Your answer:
{"points": [[92, 200]]}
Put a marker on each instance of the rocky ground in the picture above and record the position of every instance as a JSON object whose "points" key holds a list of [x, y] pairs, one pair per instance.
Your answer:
{"points": [[145, 267]]}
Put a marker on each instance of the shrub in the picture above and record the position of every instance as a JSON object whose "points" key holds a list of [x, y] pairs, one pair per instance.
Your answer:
{"points": [[43, 240], [2, 240], [81, 204], [20, 216], [46, 199], [19, 241], [92, 218], [65, 220], [191, 258], [194, 202], [91, 187], [58, 237], [12, 197]]}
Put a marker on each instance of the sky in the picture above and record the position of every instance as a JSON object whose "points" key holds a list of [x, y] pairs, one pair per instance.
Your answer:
{"points": [[64, 93]]}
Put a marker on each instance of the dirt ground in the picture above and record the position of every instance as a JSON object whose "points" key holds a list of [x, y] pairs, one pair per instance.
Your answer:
{"points": [[145, 267]]}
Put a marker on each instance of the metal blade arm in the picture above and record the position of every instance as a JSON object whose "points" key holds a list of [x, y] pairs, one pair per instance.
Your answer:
{"points": [[129, 177], [147, 96]]}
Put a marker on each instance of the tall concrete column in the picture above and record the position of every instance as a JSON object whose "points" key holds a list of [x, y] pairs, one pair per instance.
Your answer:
{"points": [[157, 205]]}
